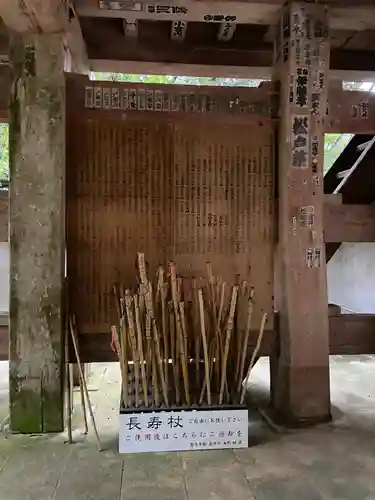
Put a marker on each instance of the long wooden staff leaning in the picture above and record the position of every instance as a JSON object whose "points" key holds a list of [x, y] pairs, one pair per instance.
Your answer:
{"points": [[123, 342], [253, 357], [140, 351], [68, 387], [212, 307], [162, 287], [197, 336], [174, 352], [150, 313], [133, 342], [83, 380], [123, 368], [241, 366], [204, 344], [216, 343], [179, 338], [227, 342]]}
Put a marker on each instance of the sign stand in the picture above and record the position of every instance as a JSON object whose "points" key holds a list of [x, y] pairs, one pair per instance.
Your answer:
{"points": [[183, 428]]}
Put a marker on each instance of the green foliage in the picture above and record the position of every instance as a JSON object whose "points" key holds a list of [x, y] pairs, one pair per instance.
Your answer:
{"points": [[180, 80], [4, 152], [334, 144]]}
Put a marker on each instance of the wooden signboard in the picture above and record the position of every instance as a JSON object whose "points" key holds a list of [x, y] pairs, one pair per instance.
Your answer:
{"points": [[179, 173]]}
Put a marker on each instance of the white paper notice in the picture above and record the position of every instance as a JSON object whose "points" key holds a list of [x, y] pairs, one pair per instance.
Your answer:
{"points": [[183, 430]]}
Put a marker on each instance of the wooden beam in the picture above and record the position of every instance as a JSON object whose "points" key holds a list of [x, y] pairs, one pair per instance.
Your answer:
{"points": [[159, 50], [226, 60], [48, 16], [352, 334], [349, 223], [4, 44], [333, 199], [188, 10], [4, 216], [353, 223], [4, 92], [300, 374], [356, 17], [37, 233], [4, 339], [349, 334], [76, 45], [33, 16], [351, 112]]}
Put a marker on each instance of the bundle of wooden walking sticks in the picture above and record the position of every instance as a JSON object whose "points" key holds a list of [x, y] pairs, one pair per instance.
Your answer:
{"points": [[181, 345]]}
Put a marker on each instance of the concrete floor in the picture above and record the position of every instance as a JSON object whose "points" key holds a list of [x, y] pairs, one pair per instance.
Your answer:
{"points": [[335, 461]]}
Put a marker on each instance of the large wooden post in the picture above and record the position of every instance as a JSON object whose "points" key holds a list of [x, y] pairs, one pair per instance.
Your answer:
{"points": [[300, 375], [37, 232]]}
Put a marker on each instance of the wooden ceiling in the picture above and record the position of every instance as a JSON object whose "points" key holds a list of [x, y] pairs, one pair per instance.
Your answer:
{"points": [[225, 36], [191, 37]]}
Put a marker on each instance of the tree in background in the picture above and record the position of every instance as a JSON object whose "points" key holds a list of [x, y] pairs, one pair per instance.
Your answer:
{"points": [[4, 153], [334, 145], [177, 80]]}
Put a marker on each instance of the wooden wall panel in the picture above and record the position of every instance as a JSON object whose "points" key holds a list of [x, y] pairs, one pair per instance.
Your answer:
{"points": [[188, 187], [225, 204], [119, 202]]}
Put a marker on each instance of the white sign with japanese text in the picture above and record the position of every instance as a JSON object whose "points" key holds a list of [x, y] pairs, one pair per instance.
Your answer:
{"points": [[183, 430]]}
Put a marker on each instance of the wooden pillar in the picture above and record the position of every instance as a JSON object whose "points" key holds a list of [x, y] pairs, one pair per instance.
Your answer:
{"points": [[37, 233], [300, 375]]}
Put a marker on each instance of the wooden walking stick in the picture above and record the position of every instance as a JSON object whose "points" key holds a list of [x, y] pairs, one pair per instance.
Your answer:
{"points": [[204, 343], [148, 353], [253, 357], [157, 350], [125, 356], [174, 353], [164, 325], [227, 342], [184, 330], [221, 307], [179, 339], [123, 353], [140, 350], [123, 367], [218, 337], [75, 345], [212, 305], [83, 406], [117, 302], [211, 353], [216, 343], [69, 389], [154, 375], [211, 283], [241, 366], [133, 342], [196, 335], [151, 314]]}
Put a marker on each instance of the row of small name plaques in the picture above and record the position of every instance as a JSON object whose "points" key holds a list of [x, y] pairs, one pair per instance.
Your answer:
{"points": [[112, 98]]}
